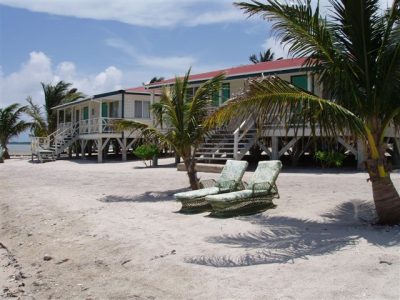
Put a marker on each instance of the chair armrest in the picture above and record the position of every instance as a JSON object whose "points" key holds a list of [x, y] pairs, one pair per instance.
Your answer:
{"points": [[207, 183], [261, 187], [227, 185], [265, 187]]}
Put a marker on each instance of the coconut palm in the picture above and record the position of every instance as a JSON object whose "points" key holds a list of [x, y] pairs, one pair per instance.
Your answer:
{"points": [[184, 117], [355, 54], [38, 122], [55, 95], [11, 125], [156, 79], [262, 57]]}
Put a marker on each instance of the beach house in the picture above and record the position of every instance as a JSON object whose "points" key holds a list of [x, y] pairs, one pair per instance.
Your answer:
{"points": [[237, 139], [89, 122]]}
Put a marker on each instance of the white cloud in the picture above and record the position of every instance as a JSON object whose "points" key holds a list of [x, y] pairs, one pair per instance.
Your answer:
{"points": [[15, 87], [159, 63], [276, 47], [152, 13]]}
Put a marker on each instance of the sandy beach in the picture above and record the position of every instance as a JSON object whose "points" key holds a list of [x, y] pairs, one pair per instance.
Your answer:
{"points": [[81, 230]]}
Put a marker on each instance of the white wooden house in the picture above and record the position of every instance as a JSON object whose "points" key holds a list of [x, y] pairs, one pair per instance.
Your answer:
{"points": [[234, 141], [91, 121]]}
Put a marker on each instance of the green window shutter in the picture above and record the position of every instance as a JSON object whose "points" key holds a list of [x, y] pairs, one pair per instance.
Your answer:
{"points": [[226, 91], [299, 81], [215, 99], [104, 110], [189, 94], [86, 113]]}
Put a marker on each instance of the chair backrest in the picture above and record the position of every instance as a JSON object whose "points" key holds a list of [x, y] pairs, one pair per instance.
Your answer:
{"points": [[267, 171], [233, 170]]}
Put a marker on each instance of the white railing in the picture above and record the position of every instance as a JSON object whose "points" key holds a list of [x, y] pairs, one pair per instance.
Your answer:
{"points": [[244, 128], [55, 139], [98, 125]]}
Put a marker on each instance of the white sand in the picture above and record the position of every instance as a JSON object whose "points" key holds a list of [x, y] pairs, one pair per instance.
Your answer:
{"points": [[112, 232]]}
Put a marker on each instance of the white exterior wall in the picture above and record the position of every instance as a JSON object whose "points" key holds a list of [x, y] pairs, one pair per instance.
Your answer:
{"points": [[130, 106]]}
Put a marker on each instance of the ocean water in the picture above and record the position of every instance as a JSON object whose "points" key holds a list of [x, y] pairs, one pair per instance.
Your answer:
{"points": [[19, 149]]}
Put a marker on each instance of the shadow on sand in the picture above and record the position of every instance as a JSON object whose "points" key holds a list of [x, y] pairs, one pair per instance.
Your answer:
{"points": [[157, 196], [284, 239]]}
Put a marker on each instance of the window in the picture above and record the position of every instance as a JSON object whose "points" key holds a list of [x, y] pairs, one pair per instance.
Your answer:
{"points": [[61, 117], [226, 91], [299, 81], [190, 92], [68, 115], [142, 109], [86, 113], [114, 108]]}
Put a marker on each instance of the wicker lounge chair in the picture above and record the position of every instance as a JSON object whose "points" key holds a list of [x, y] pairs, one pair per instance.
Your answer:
{"points": [[257, 196], [229, 180]]}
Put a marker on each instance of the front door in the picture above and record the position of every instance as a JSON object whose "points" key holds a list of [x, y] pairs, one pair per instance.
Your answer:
{"points": [[104, 110], [86, 113]]}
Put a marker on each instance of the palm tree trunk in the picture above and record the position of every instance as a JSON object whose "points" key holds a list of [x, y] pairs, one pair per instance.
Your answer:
{"points": [[190, 165], [387, 201], [6, 155], [386, 197]]}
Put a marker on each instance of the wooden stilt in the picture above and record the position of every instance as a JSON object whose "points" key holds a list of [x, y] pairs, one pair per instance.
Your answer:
{"points": [[100, 150], [275, 148]]}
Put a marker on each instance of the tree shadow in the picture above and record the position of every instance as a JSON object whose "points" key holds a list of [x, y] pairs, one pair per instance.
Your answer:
{"points": [[158, 196], [284, 239]]}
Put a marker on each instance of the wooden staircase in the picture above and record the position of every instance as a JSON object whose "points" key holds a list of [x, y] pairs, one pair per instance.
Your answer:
{"points": [[225, 144], [50, 147]]}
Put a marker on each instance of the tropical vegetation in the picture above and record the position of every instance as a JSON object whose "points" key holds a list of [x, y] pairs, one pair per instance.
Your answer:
{"points": [[146, 152], [54, 95], [267, 55], [11, 125], [185, 116], [354, 53]]}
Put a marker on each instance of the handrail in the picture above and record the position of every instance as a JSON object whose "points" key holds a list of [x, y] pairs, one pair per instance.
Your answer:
{"points": [[236, 138]]}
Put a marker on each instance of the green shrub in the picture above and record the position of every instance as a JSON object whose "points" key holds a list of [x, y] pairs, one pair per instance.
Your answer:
{"points": [[146, 152], [330, 158]]}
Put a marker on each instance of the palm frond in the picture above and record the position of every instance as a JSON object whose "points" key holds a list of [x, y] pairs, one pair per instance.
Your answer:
{"points": [[38, 123], [298, 25], [146, 131]]}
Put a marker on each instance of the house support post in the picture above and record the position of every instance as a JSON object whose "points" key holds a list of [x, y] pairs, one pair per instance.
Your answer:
{"points": [[100, 150], [83, 146], [360, 154], [122, 143], [124, 149], [275, 148]]}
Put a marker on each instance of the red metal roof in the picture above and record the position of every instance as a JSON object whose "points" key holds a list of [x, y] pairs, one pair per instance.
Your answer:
{"points": [[270, 66], [141, 90]]}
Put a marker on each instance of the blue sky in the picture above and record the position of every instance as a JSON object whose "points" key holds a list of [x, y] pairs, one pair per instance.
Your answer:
{"points": [[101, 45]]}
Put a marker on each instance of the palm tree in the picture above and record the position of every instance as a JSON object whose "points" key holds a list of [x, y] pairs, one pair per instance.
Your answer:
{"points": [[156, 79], [55, 95], [355, 54], [11, 125], [263, 57], [38, 123], [184, 117]]}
